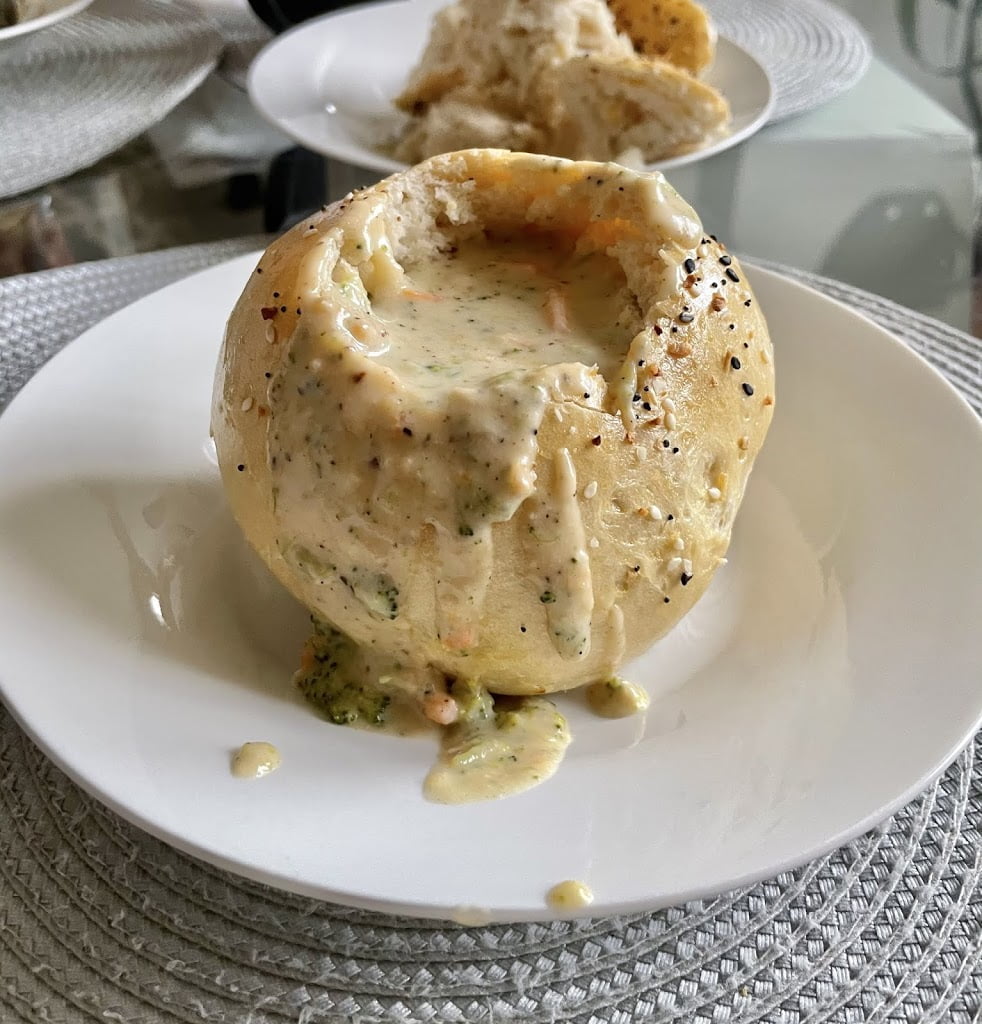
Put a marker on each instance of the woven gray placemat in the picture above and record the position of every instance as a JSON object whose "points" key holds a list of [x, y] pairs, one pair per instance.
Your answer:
{"points": [[101, 922], [76, 91], [812, 50]]}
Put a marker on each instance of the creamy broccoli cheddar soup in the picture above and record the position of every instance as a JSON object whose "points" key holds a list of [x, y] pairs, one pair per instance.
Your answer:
{"points": [[483, 309]]}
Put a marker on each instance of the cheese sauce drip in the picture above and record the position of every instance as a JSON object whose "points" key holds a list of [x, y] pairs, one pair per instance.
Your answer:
{"points": [[567, 592], [498, 750], [616, 698], [255, 759], [569, 895]]}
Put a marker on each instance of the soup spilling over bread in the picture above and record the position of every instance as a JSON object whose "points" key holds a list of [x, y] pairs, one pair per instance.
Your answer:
{"points": [[577, 78], [491, 421]]}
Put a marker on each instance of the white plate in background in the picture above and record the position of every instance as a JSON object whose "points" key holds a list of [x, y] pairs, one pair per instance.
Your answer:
{"points": [[55, 11], [828, 675], [329, 83]]}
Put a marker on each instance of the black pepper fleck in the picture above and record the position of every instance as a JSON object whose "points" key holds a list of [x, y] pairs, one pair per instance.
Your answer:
{"points": [[240, 468]]}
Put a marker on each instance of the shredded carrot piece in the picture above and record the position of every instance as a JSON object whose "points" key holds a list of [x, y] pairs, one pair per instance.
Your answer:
{"points": [[461, 638], [557, 312], [417, 296], [307, 658]]}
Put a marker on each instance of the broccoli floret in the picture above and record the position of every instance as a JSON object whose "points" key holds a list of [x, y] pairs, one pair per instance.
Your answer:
{"points": [[330, 682], [474, 703], [377, 591], [344, 703]]}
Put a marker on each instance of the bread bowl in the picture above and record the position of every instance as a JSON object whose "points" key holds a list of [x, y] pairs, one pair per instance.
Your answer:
{"points": [[492, 420]]}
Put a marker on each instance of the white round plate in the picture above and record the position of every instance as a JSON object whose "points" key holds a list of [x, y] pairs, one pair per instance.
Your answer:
{"points": [[830, 672], [57, 10], [330, 82]]}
